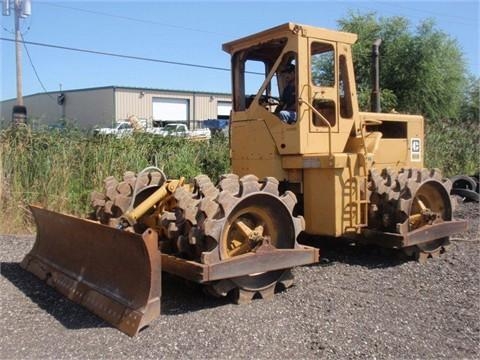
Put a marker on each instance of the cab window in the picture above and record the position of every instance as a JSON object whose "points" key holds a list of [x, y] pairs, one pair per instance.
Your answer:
{"points": [[322, 75], [323, 64]]}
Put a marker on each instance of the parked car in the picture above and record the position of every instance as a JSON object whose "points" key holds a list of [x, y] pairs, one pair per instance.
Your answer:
{"points": [[181, 130], [217, 126], [122, 128]]}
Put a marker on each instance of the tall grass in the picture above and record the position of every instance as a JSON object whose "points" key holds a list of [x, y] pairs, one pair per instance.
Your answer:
{"points": [[453, 147], [59, 170]]}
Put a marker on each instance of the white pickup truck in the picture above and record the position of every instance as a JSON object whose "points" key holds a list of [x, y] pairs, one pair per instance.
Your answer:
{"points": [[181, 130], [120, 129]]}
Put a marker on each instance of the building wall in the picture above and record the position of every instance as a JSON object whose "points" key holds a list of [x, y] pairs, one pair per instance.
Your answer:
{"points": [[129, 102], [101, 107], [90, 107], [206, 105], [85, 108], [41, 109], [138, 102]]}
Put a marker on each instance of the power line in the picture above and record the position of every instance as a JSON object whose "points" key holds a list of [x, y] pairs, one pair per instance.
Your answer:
{"points": [[35, 70], [124, 56], [129, 18], [453, 19], [469, 21]]}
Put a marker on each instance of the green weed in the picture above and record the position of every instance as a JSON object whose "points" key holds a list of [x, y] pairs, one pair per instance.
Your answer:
{"points": [[452, 147], [59, 169]]}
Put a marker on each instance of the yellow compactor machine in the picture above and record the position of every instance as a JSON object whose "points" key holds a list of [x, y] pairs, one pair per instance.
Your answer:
{"points": [[332, 171]]}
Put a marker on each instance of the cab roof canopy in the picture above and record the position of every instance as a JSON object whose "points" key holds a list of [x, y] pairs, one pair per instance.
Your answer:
{"points": [[289, 29]]}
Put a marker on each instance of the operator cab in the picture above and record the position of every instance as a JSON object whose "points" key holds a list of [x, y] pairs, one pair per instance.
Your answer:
{"points": [[261, 74], [325, 100]]}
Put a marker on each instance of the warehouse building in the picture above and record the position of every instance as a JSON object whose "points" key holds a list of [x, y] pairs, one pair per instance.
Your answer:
{"points": [[103, 106]]}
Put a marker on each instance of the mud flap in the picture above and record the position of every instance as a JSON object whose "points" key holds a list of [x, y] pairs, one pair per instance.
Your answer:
{"points": [[113, 273]]}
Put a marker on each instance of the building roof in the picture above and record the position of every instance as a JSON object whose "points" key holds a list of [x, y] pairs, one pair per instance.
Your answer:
{"points": [[114, 87]]}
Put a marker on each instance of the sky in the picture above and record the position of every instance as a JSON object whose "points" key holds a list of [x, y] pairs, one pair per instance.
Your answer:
{"points": [[183, 32]]}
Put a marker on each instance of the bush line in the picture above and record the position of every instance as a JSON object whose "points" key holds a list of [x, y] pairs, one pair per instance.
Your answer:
{"points": [[59, 169]]}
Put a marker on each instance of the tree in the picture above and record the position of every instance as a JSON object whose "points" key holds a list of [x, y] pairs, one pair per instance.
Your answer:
{"points": [[471, 101], [421, 72]]}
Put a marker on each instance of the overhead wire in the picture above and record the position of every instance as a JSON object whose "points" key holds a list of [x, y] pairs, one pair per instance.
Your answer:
{"points": [[133, 57], [465, 21], [130, 18], [22, 33], [124, 56], [470, 21], [395, 11], [35, 69]]}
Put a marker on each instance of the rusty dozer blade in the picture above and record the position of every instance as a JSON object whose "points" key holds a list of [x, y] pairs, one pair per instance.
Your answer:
{"points": [[113, 273]]}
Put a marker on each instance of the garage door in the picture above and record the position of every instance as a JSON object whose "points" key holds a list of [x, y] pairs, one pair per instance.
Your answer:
{"points": [[167, 109], [223, 109]]}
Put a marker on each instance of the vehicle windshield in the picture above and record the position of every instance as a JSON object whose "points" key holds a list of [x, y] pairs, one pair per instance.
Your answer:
{"points": [[170, 128], [173, 127], [259, 70], [122, 126]]}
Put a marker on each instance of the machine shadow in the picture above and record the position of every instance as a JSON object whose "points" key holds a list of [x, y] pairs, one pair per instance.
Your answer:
{"points": [[182, 296], [178, 297], [68, 313], [343, 251]]}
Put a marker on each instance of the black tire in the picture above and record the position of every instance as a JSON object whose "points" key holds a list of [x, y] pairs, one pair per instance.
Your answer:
{"points": [[466, 187], [397, 201], [203, 224], [118, 196], [210, 221]]}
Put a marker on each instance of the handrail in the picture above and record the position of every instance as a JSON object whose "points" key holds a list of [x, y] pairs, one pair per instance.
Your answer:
{"points": [[350, 195], [326, 123]]}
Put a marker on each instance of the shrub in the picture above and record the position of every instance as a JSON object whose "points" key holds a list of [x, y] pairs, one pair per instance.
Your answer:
{"points": [[452, 147], [59, 169]]}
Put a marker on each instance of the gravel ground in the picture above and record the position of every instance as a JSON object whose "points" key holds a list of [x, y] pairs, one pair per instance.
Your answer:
{"points": [[357, 303]]}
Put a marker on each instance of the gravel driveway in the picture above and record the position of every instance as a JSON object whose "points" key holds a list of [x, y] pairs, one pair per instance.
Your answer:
{"points": [[357, 303]]}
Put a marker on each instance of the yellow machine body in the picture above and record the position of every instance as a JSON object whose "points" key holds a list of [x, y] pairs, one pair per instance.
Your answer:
{"points": [[315, 164], [325, 156]]}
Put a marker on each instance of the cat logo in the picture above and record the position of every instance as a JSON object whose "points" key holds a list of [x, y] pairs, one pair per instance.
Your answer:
{"points": [[415, 149]]}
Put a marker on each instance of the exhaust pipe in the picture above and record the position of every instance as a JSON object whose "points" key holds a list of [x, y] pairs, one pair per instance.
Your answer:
{"points": [[375, 71]]}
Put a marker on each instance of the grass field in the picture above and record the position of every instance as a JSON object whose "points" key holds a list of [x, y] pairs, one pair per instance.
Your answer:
{"points": [[59, 169]]}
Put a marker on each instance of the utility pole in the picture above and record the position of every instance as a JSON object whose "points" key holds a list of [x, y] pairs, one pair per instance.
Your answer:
{"points": [[18, 50], [21, 10]]}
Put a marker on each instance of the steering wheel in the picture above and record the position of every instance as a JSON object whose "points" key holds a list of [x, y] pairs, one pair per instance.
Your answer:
{"points": [[265, 100], [269, 100]]}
